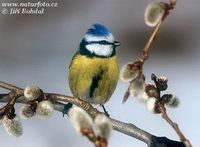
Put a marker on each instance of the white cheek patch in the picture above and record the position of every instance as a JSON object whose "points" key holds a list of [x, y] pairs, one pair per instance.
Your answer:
{"points": [[90, 38], [100, 50]]}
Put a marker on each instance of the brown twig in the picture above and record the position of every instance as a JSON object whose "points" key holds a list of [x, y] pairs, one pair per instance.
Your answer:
{"points": [[11, 87], [145, 54], [174, 126], [161, 85], [9, 109]]}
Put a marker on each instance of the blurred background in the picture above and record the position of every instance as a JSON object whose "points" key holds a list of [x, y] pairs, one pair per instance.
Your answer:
{"points": [[37, 49]]}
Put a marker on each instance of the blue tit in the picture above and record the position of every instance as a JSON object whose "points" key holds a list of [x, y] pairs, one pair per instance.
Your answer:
{"points": [[94, 71]]}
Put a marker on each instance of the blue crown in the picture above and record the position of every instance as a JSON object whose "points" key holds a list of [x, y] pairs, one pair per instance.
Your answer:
{"points": [[98, 30]]}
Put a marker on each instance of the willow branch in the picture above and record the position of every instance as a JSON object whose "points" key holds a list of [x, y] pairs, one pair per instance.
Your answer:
{"points": [[125, 128], [175, 127], [145, 54]]}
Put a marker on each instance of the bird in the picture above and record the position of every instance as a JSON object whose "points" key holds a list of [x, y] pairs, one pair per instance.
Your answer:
{"points": [[94, 72]]}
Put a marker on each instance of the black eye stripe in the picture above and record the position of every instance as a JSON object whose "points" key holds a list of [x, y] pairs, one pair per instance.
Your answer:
{"points": [[103, 42]]}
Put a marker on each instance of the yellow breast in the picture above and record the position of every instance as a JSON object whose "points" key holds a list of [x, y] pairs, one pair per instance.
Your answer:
{"points": [[93, 79]]}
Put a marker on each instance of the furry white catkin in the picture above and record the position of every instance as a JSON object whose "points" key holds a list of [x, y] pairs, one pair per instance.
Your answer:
{"points": [[12, 126], [32, 92], [44, 109], [103, 127], [80, 119], [173, 102], [26, 112], [137, 89], [128, 74], [151, 104], [154, 13]]}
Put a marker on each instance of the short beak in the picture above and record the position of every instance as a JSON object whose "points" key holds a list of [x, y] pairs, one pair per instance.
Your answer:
{"points": [[116, 43]]}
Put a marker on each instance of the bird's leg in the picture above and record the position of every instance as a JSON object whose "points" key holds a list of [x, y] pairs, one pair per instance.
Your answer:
{"points": [[106, 112], [66, 108]]}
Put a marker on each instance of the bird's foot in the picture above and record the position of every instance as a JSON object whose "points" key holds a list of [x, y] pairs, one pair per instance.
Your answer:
{"points": [[66, 108], [106, 112]]}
